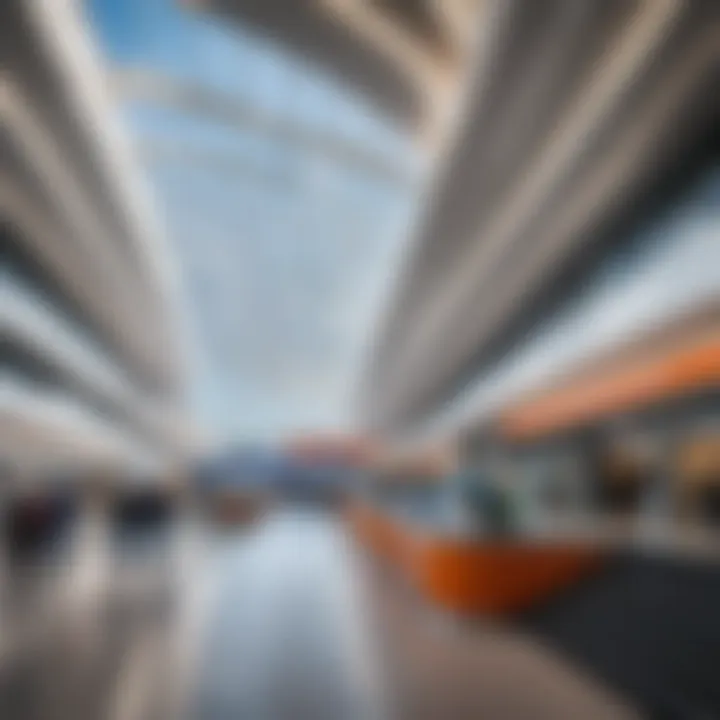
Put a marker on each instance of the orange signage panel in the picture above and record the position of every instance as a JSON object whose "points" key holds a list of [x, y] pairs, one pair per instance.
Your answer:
{"points": [[682, 370]]}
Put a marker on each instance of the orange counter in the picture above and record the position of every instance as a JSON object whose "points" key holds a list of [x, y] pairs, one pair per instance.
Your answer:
{"points": [[468, 575], [495, 577]]}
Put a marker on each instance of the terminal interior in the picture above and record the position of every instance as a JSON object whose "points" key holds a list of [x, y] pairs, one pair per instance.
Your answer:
{"points": [[360, 360]]}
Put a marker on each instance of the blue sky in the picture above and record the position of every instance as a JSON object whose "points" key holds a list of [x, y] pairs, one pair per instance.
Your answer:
{"points": [[285, 253]]}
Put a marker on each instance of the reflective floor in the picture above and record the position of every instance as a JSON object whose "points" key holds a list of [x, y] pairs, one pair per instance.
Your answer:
{"points": [[286, 632], [283, 619]]}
